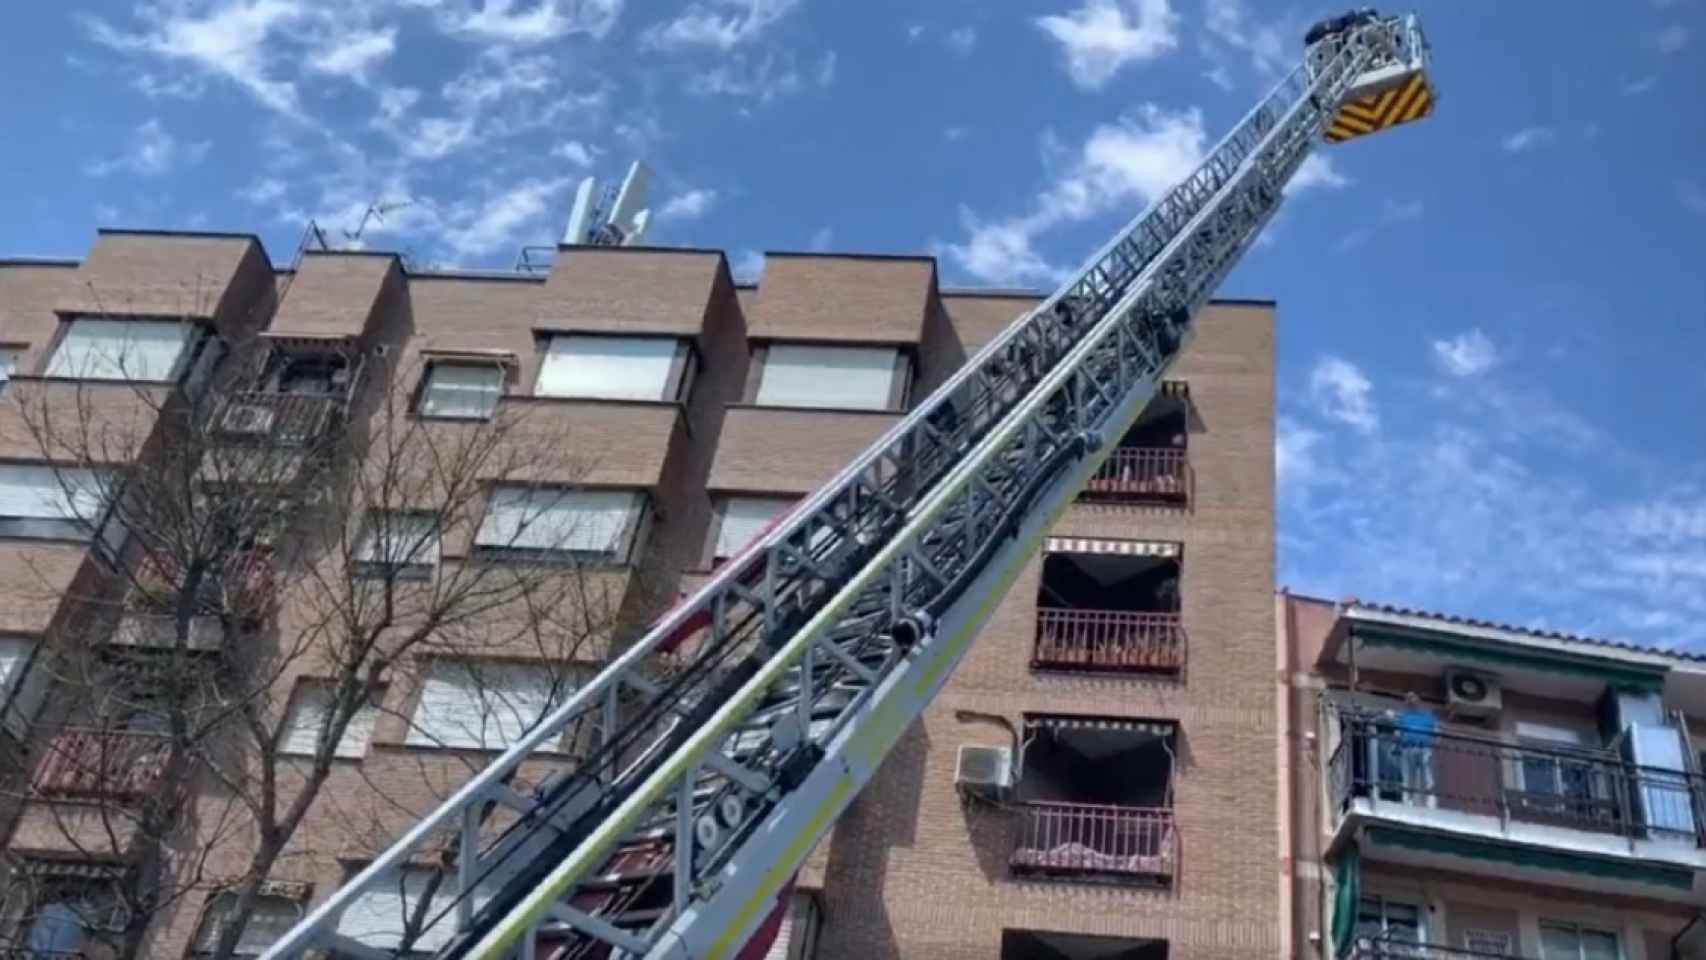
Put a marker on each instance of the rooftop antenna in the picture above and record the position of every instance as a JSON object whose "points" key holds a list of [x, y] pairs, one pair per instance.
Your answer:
{"points": [[610, 217], [375, 212]]}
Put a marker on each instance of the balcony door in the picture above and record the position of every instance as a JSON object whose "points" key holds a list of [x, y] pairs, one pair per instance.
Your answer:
{"points": [[1394, 927]]}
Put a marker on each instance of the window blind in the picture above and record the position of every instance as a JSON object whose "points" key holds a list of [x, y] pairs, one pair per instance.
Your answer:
{"points": [[378, 917], [616, 368], [308, 709], [95, 349], [482, 706], [45, 493], [462, 390], [744, 518], [847, 378], [269, 920], [399, 539], [593, 521]]}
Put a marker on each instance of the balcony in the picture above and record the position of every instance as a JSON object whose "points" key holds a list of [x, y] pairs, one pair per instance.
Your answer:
{"points": [[1111, 640], [159, 631], [100, 764], [28, 953], [1593, 791], [277, 419], [1095, 842], [1141, 475], [1394, 948]]}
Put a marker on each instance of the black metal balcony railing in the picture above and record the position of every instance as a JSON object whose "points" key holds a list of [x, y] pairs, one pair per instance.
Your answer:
{"points": [[27, 953], [1397, 948], [1110, 640], [1095, 841], [285, 419], [1582, 789], [1137, 474]]}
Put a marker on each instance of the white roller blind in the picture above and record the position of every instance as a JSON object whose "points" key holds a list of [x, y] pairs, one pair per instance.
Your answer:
{"points": [[270, 919], [120, 349], [43, 493], [307, 712], [847, 378], [547, 519], [482, 706], [399, 538], [378, 917], [618, 368], [462, 390], [744, 518]]}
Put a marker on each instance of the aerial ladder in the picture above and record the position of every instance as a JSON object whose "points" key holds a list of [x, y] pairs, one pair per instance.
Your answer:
{"points": [[794, 670]]}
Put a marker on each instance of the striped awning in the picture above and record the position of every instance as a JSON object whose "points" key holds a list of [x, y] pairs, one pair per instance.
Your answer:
{"points": [[73, 869], [1123, 548], [1160, 728]]}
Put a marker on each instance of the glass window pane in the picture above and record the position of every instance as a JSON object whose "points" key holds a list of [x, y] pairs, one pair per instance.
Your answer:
{"points": [[1558, 943], [1598, 945], [95, 349], [462, 390]]}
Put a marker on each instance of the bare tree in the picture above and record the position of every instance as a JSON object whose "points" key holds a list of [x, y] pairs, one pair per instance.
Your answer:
{"points": [[282, 547]]}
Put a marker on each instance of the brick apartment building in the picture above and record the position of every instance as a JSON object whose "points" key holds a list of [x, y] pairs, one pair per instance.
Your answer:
{"points": [[1128, 672], [1464, 790]]}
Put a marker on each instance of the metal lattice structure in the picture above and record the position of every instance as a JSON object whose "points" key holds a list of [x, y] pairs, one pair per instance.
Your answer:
{"points": [[813, 650]]}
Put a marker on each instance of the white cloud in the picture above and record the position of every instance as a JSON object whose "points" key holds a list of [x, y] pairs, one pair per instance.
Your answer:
{"points": [[1466, 354], [914, 31], [1392, 213], [1128, 163], [826, 68], [230, 40], [1640, 85], [1266, 44], [1220, 77], [352, 54], [1317, 170], [437, 137], [722, 25], [822, 239], [1529, 138], [1342, 392], [763, 79], [748, 266], [152, 152], [396, 101], [575, 152], [1692, 195], [522, 22], [961, 40], [263, 191], [1103, 36], [1673, 39], [502, 220], [688, 205], [1297, 454], [496, 77]]}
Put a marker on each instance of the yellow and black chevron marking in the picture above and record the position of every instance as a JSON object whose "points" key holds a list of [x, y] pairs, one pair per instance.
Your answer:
{"points": [[1409, 100]]}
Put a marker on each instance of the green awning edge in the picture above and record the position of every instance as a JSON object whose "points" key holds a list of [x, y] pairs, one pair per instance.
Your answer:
{"points": [[1635, 678], [1347, 896], [1675, 878]]}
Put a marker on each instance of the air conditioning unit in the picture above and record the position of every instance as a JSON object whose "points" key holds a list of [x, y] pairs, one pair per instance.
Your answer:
{"points": [[1471, 694], [984, 771], [248, 418]]}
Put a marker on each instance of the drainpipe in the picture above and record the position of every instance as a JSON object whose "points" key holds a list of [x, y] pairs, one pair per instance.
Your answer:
{"points": [[1288, 860]]}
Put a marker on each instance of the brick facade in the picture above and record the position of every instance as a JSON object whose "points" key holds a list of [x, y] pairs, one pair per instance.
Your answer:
{"points": [[911, 871]]}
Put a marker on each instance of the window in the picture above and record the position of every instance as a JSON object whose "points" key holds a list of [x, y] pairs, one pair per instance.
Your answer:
{"points": [[615, 368], [100, 349], [270, 918], [379, 916], [404, 544], [462, 390], [307, 716], [50, 503], [69, 914], [1392, 920], [8, 365], [1544, 773], [743, 519], [594, 524], [834, 377], [1567, 941], [482, 706], [22, 688]]}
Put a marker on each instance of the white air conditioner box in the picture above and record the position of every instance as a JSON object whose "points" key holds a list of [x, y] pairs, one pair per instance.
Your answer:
{"points": [[984, 771], [1471, 694]]}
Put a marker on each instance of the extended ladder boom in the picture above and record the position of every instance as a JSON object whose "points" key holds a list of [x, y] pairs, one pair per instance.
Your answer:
{"points": [[798, 666]]}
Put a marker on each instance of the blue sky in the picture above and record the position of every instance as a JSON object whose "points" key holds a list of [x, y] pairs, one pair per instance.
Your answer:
{"points": [[1491, 387]]}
